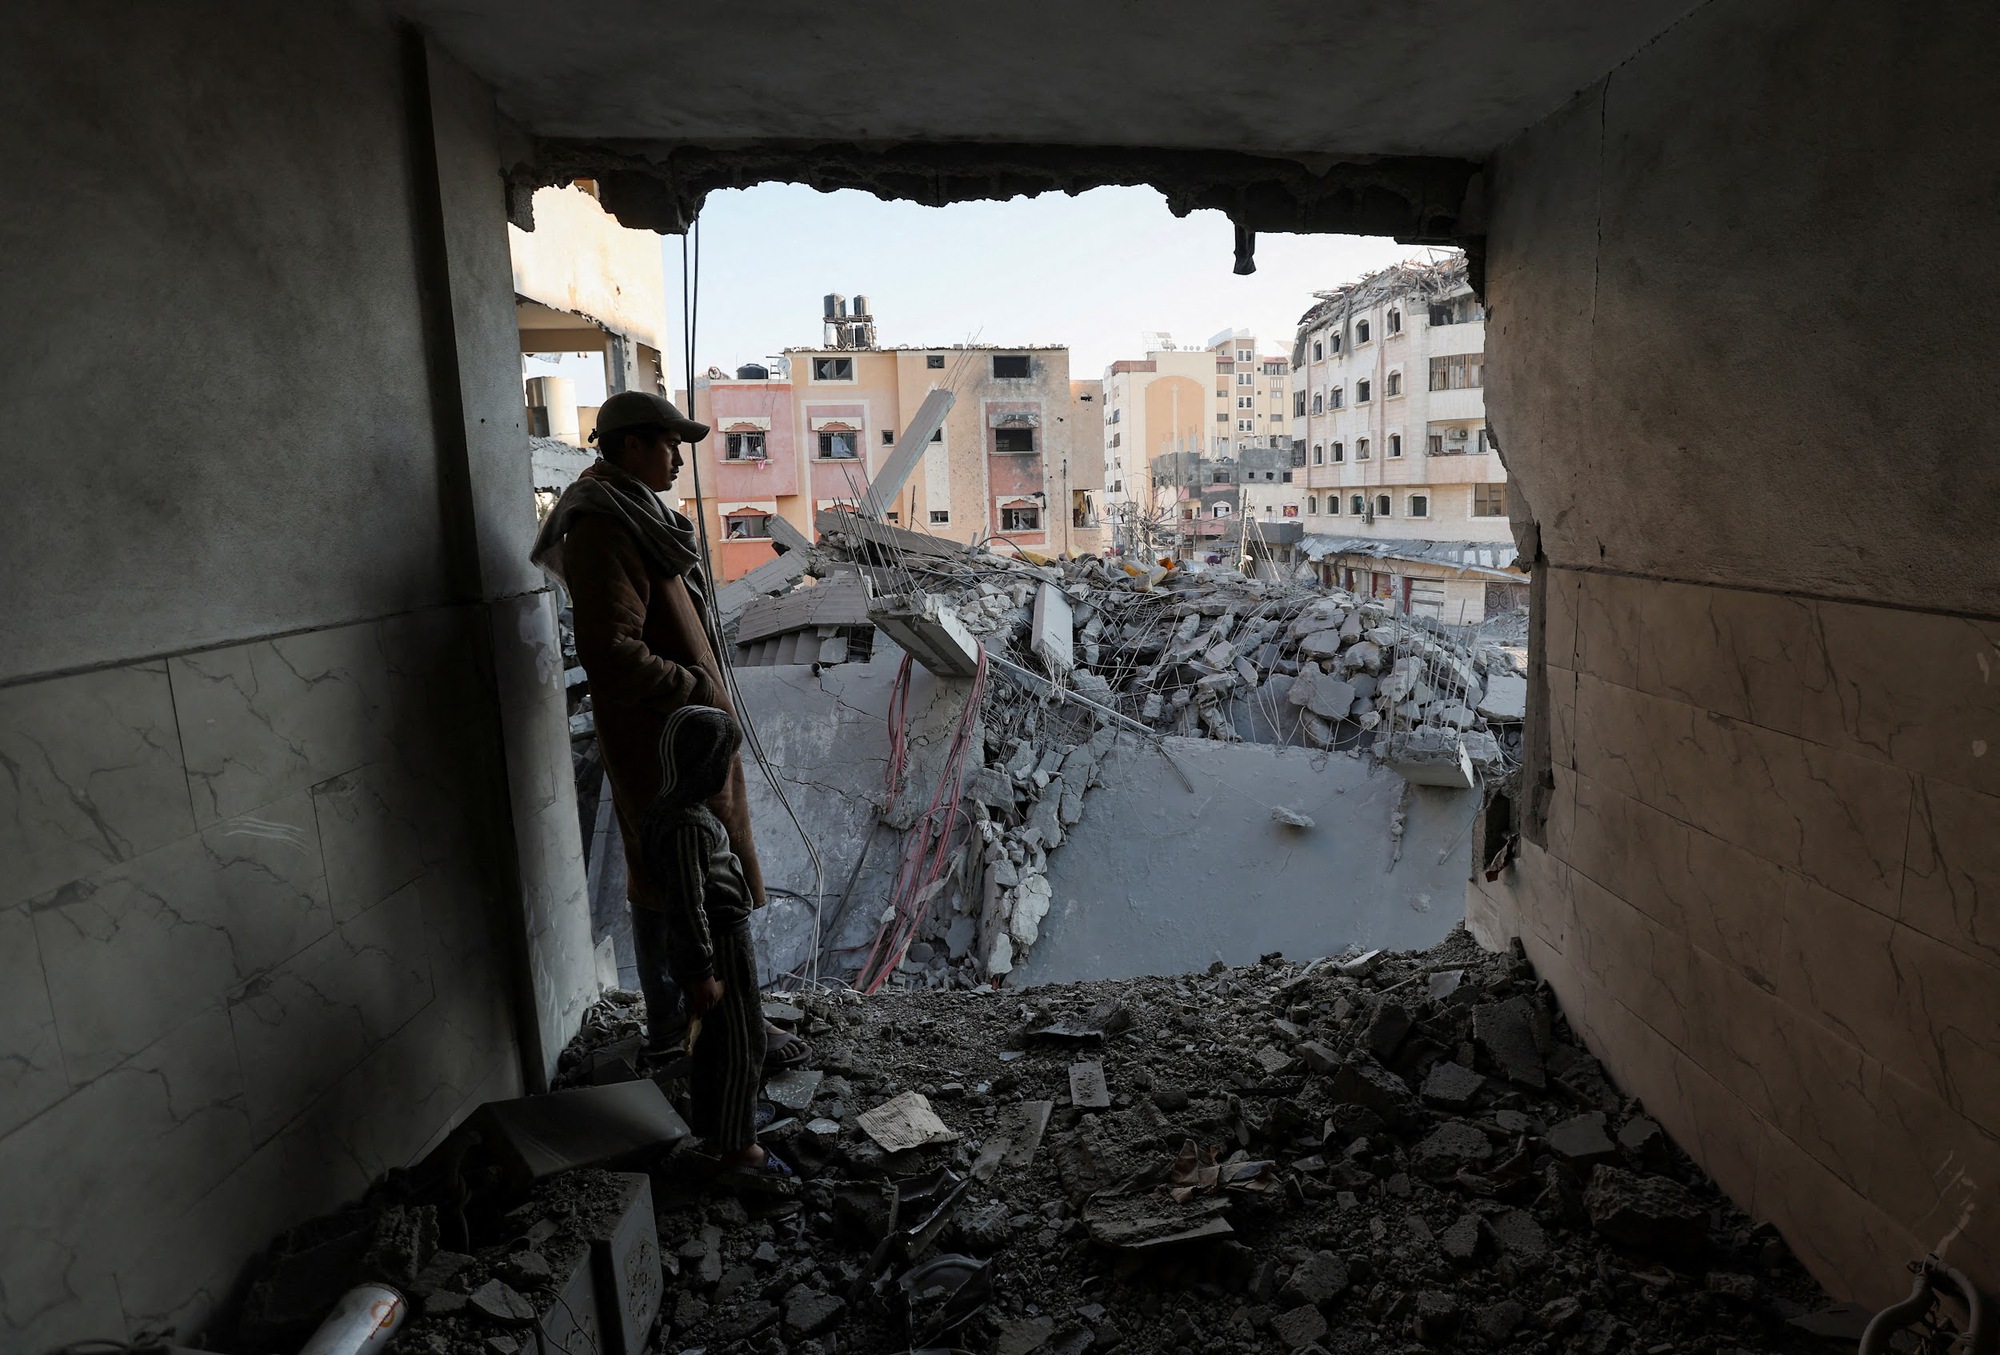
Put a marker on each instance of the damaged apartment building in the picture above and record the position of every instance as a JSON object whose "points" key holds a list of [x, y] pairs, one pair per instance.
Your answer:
{"points": [[1005, 443], [298, 976]]}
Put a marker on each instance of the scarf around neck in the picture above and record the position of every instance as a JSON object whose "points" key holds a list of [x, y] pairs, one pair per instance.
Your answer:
{"points": [[665, 537]]}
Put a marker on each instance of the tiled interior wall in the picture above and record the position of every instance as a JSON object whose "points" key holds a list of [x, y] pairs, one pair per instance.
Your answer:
{"points": [[249, 954], [1770, 901]]}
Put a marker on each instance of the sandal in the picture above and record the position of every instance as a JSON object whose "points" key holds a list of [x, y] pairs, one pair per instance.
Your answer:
{"points": [[772, 1176], [785, 1051]]}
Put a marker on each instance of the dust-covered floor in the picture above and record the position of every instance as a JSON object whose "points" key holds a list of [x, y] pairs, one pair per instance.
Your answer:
{"points": [[1410, 1152]]}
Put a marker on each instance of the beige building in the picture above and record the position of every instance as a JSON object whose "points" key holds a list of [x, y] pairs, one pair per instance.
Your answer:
{"points": [[1214, 402], [1405, 498], [810, 432]]}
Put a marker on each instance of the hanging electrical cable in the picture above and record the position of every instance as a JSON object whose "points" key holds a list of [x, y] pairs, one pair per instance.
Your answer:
{"points": [[690, 314]]}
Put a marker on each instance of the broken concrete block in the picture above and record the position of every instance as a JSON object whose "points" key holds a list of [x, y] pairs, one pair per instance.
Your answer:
{"points": [[1452, 1145], [1362, 1081], [540, 1136], [1291, 818], [1070, 811], [1031, 905], [1361, 656], [991, 787], [1460, 1242], [1320, 645], [502, 1303], [1319, 1279], [1045, 815], [1301, 1327], [1506, 699], [809, 1312], [1582, 1139], [1451, 1085], [1506, 1031], [1455, 715], [1519, 1235], [1052, 629], [1087, 1088], [1647, 1213], [1402, 679], [792, 1089], [1497, 1321], [929, 631], [1387, 1030], [1437, 1314], [1327, 697], [1318, 1057], [904, 1122]]}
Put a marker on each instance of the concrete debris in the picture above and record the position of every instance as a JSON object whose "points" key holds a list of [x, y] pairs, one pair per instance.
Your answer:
{"points": [[1291, 818], [1255, 1159]]}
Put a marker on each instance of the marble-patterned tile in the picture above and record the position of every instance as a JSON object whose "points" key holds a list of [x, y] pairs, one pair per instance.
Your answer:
{"points": [[1559, 624], [539, 768], [1538, 888], [1837, 817], [563, 955], [1728, 1030], [145, 1141], [1632, 850], [463, 928], [92, 775], [1951, 879], [1912, 688], [1835, 967], [1935, 1172], [1610, 622], [1849, 1245], [1562, 716], [372, 824], [1716, 1128], [302, 1027], [1644, 965], [32, 1076], [527, 653], [1751, 656], [1732, 904], [145, 945], [1948, 1015], [264, 719]]}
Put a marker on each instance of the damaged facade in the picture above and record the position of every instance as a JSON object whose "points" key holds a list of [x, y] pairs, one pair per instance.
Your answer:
{"points": [[295, 884]]}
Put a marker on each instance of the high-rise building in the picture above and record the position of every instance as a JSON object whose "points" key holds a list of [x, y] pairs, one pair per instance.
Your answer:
{"points": [[1405, 498], [810, 429]]}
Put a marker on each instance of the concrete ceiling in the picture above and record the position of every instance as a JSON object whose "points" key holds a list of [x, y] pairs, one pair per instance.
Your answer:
{"points": [[1451, 78]]}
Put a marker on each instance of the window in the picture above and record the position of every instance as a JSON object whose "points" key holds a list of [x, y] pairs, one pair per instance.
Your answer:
{"points": [[1461, 371], [837, 445], [1394, 385], [1010, 366], [1272, 475], [1436, 447], [1246, 425], [1020, 519], [1357, 505], [747, 526], [1242, 356], [1319, 351], [833, 369], [1319, 402], [1222, 392], [1246, 402], [1489, 501], [743, 447], [1420, 505], [1014, 441], [1319, 454], [1361, 331], [892, 516], [938, 436], [935, 362], [1395, 322], [1440, 314], [1339, 452], [1382, 506], [1333, 504], [1222, 418], [1245, 379], [1333, 343], [1298, 402], [1362, 391], [888, 437], [1117, 439], [1312, 505], [1361, 449], [1220, 510], [1395, 444], [1285, 476], [940, 516], [1337, 397]]}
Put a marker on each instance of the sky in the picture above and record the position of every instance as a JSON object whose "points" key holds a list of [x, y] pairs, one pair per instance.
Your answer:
{"points": [[1097, 272]]}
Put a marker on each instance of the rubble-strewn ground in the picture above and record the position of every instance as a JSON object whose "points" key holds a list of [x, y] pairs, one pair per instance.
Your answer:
{"points": [[1412, 1153]]}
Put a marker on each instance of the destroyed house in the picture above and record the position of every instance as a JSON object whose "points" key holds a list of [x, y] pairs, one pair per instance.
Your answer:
{"points": [[294, 880]]}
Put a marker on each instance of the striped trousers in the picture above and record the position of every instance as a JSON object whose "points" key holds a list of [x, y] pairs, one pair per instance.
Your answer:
{"points": [[729, 1052]]}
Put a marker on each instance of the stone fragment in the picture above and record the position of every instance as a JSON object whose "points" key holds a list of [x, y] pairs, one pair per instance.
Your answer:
{"points": [[1648, 1213], [1290, 817], [1506, 699], [1318, 1279], [1460, 1242], [502, 1303], [1361, 1081], [1581, 1139], [808, 1312], [1363, 656], [1318, 1057], [1437, 1314], [1452, 1145], [1519, 1235], [1300, 1327], [1451, 1085], [1031, 905], [1506, 1031], [1497, 1321], [1387, 1031], [1643, 1139], [1087, 1088]]}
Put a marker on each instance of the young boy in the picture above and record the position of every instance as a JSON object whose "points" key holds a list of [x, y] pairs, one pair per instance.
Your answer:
{"points": [[703, 927]]}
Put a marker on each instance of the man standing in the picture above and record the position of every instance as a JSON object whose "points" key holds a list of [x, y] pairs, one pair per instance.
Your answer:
{"points": [[632, 567]]}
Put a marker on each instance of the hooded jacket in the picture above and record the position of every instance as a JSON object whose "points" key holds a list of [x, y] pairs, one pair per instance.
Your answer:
{"points": [[641, 640]]}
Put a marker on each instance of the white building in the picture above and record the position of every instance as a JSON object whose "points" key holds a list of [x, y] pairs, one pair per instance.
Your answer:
{"points": [[1404, 496]]}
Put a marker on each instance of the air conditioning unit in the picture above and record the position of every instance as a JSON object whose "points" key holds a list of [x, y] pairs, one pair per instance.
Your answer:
{"points": [[1458, 435]]}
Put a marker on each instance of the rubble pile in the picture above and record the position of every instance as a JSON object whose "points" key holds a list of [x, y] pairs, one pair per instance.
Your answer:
{"points": [[1400, 1152]]}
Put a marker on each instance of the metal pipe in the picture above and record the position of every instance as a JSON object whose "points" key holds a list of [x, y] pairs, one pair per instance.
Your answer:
{"points": [[1933, 1276], [362, 1323]]}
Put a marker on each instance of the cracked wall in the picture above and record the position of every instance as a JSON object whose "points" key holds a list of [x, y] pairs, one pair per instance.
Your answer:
{"points": [[1740, 392], [276, 670]]}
